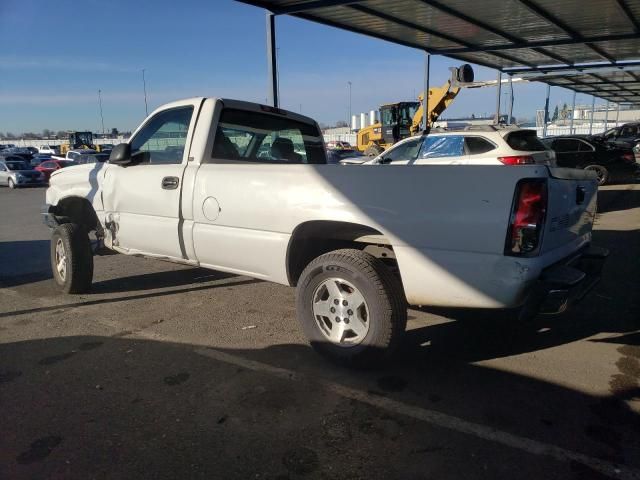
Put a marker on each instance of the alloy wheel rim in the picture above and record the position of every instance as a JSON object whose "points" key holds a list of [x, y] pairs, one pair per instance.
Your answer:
{"points": [[61, 259], [599, 173], [341, 312]]}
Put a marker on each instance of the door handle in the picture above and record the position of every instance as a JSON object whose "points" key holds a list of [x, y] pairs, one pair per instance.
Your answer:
{"points": [[170, 183]]}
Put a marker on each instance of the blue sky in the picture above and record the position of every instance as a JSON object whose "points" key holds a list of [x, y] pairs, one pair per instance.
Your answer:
{"points": [[54, 61]]}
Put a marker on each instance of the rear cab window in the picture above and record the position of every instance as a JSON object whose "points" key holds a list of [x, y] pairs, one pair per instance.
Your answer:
{"points": [[525, 140], [250, 136]]}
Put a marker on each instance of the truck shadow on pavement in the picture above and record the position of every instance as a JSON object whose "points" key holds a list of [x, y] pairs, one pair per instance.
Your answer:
{"points": [[117, 407], [24, 262], [163, 279], [610, 200], [235, 281]]}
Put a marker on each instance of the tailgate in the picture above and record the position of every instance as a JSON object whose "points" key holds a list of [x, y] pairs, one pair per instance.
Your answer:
{"points": [[571, 207]]}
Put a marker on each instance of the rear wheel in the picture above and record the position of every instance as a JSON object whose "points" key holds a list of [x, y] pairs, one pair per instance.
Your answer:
{"points": [[601, 172], [11, 183], [71, 258], [351, 307]]}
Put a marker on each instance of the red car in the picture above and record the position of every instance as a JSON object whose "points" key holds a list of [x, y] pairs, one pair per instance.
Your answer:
{"points": [[50, 166]]}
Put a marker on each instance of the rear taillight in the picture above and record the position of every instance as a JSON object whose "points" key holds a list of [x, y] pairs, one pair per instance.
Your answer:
{"points": [[527, 217], [628, 157], [517, 160]]}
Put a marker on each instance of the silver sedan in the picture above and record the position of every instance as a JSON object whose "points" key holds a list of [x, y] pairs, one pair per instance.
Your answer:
{"points": [[17, 173]]}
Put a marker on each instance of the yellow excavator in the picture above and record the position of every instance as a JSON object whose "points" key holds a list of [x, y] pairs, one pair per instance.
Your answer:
{"points": [[79, 140], [404, 119]]}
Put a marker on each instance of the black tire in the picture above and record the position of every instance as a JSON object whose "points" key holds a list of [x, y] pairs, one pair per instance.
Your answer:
{"points": [[601, 172], [384, 297], [373, 150], [78, 258], [11, 184]]}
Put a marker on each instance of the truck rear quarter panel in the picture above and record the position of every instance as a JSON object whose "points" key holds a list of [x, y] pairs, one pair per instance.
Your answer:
{"points": [[446, 224]]}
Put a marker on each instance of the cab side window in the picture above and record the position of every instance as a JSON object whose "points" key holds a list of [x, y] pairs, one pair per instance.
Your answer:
{"points": [[248, 136], [162, 140]]}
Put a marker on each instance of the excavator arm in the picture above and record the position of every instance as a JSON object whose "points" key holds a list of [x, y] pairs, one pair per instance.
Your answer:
{"points": [[439, 99]]}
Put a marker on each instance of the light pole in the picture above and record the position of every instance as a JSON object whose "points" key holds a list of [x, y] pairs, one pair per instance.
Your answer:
{"points": [[349, 119], [144, 86], [100, 103]]}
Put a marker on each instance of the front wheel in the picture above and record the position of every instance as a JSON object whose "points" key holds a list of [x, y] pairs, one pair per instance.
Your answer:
{"points": [[373, 150], [11, 183], [71, 258], [351, 307], [601, 172]]}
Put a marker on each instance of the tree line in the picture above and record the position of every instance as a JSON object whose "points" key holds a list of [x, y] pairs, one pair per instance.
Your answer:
{"points": [[46, 134]]}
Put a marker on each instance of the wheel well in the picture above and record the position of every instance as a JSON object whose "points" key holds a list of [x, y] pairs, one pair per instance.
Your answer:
{"points": [[76, 210], [312, 239]]}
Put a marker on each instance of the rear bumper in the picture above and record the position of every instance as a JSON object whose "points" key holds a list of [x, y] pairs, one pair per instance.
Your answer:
{"points": [[562, 285]]}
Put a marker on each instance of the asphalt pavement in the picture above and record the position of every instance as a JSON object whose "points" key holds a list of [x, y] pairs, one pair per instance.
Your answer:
{"points": [[165, 371]]}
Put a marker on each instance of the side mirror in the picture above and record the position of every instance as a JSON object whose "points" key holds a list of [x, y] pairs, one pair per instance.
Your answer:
{"points": [[121, 154]]}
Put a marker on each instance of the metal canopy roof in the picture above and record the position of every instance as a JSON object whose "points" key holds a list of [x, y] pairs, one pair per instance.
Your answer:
{"points": [[514, 36], [613, 84]]}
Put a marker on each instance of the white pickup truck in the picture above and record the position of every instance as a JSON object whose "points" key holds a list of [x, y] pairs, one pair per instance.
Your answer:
{"points": [[245, 188]]}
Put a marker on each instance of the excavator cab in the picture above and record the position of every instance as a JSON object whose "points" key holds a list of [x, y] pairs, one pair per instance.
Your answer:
{"points": [[80, 139], [396, 119]]}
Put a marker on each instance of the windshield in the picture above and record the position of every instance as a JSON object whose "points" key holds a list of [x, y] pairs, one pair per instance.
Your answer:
{"points": [[66, 163], [17, 166]]}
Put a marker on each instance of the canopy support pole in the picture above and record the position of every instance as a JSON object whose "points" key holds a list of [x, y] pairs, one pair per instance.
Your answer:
{"points": [[593, 106], [510, 119], [606, 118], [618, 114], [425, 95], [498, 94], [546, 112], [272, 63], [573, 113]]}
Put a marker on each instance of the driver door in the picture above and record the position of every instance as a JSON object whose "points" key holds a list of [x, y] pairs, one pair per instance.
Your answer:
{"points": [[142, 200]]}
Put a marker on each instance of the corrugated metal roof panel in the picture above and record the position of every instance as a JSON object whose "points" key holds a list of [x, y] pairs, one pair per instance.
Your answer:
{"points": [[589, 17], [496, 33], [509, 16]]}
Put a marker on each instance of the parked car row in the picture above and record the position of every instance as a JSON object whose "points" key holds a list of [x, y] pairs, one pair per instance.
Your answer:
{"points": [[510, 145]]}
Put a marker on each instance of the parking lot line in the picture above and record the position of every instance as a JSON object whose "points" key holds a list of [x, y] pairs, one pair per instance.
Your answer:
{"points": [[432, 417]]}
